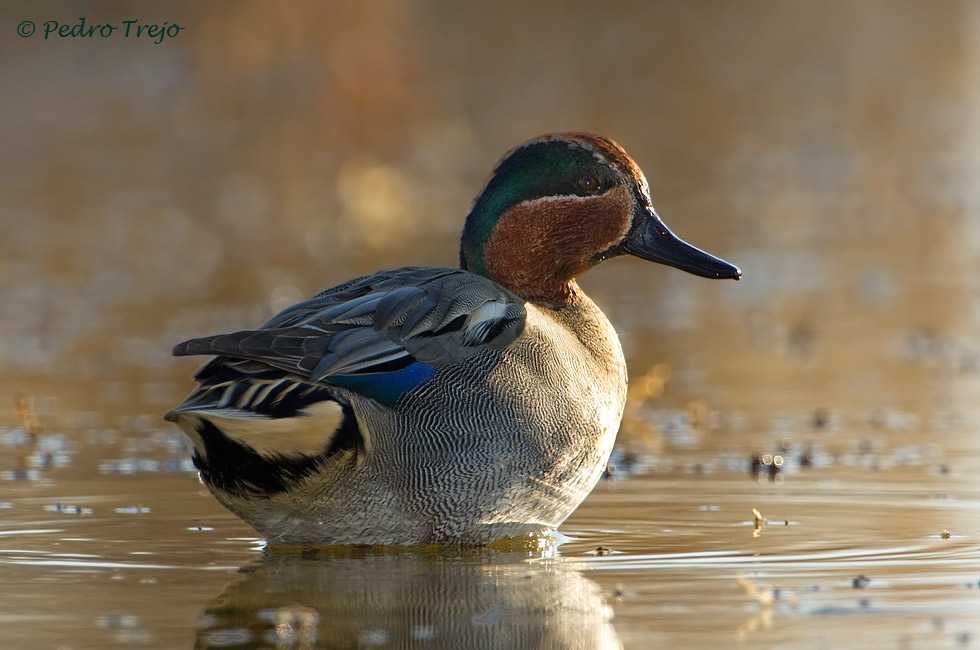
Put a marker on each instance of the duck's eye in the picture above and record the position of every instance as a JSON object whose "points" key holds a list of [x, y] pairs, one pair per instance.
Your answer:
{"points": [[588, 183]]}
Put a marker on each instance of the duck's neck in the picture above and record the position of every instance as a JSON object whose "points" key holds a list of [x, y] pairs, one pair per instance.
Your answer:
{"points": [[533, 283], [549, 292]]}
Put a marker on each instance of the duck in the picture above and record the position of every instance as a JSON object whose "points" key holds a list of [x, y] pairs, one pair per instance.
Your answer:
{"points": [[441, 406]]}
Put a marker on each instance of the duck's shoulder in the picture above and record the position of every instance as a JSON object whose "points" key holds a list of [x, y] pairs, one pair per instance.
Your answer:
{"points": [[379, 335], [421, 297], [435, 315]]}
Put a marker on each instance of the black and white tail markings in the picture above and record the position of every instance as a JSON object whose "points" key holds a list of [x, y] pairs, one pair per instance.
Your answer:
{"points": [[232, 456]]}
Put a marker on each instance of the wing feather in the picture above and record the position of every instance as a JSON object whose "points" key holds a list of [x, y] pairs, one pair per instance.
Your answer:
{"points": [[378, 325]]}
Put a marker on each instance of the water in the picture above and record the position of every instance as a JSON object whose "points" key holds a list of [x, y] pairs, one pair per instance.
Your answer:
{"points": [[798, 463], [872, 547]]}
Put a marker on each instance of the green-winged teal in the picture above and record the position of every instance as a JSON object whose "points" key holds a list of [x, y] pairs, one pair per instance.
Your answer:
{"points": [[441, 406]]}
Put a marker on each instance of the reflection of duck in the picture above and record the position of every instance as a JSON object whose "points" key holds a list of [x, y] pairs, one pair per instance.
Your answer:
{"points": [[444, 406], [483, 599]]}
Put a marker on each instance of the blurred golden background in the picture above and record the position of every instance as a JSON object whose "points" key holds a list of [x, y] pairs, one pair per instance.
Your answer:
{"points": [[153, 192]]}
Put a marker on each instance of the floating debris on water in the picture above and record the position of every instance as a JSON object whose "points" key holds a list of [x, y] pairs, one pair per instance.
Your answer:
{"points": [[806, 459], [821, 418], [68, 509], [770, 465], [860, 582], [759, 521], [765, 595], [618, 593]]}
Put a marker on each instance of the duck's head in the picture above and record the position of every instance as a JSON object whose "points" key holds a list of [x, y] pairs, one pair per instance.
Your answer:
{"points": [[560, 204]]}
